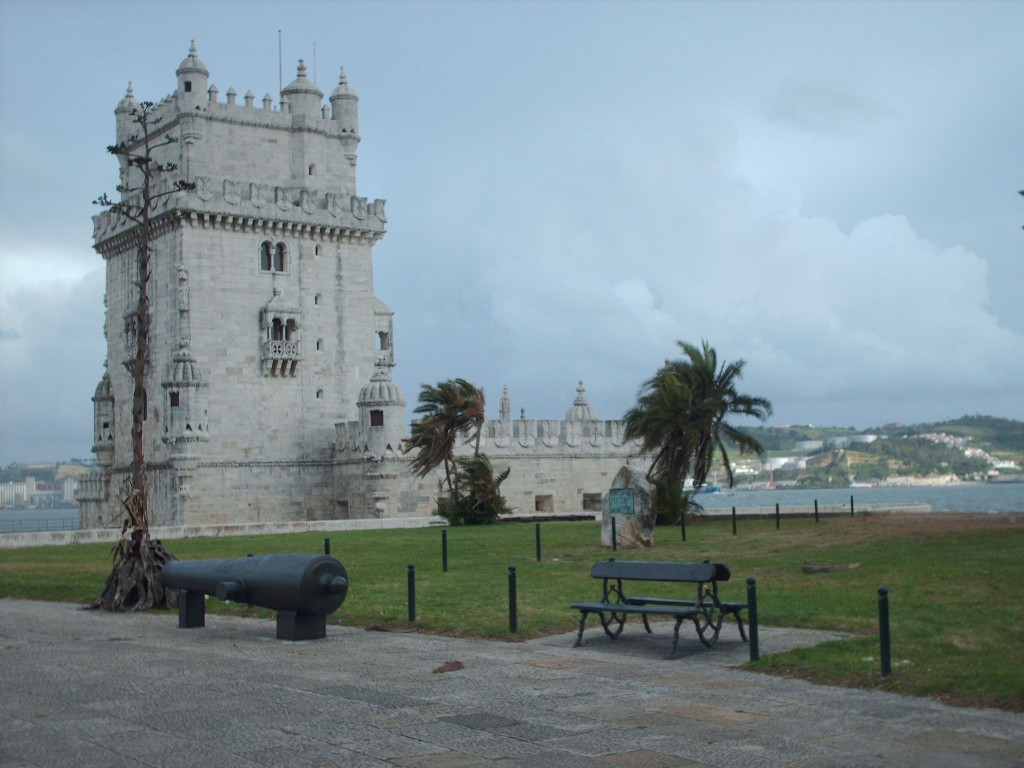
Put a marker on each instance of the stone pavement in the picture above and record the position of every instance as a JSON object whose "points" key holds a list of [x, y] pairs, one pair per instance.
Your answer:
{"points": [[79, 688]]}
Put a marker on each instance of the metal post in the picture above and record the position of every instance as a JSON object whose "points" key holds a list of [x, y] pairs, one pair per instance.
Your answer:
{"points": [[815, 510], [412, 593], [755, 652], [444, 550], [513, 619], [734, 521], [327, 546], [776, 516], [615, 543], [538, 542], [682, 524], [851, 506], [883, 630]]}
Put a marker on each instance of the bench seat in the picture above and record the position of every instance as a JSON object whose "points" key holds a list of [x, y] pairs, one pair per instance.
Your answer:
{"points": [[727, 609]]}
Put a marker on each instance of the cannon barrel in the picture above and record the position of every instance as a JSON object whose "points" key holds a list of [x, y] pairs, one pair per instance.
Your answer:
{"points": [[305, 584]]}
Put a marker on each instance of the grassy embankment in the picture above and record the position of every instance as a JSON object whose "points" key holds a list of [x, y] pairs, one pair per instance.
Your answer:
{"points": [[956, 586]]}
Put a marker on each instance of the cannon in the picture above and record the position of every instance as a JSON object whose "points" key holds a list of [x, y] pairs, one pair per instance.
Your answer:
{"points": [[303, 589]]}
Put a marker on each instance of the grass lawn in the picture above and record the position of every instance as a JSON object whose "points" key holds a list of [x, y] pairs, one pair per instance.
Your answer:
{"points": [[956, 588]]}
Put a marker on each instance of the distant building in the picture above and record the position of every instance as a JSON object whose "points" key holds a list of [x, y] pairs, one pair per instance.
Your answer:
{"points": [[269, 395]]}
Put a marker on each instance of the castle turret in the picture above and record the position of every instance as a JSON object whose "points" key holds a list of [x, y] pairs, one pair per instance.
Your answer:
{"points": [[103, 422], [581, 409], [381, 413], [193, 81], [302, 95], [124, 115], [186, 411], [345, 105]]}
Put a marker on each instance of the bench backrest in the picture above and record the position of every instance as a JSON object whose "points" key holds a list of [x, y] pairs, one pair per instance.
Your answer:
{"points": [[640, 570]]}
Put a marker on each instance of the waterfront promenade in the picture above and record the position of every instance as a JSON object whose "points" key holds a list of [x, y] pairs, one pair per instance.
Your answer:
{"points": [[84, 689]]}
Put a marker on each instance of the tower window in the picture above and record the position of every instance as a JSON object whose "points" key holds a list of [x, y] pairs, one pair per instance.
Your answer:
{"points": [[188, 86], [273, 257], [312, 170], [376, 418], [175, 399], [319, 394]]}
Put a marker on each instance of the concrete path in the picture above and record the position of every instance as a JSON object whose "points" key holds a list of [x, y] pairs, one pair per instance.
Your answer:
{"points": [[79, 688]]}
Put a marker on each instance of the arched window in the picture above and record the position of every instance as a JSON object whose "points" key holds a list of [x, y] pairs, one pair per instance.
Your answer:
{"points": [[273, 257], [289, 330], [277, 330]]}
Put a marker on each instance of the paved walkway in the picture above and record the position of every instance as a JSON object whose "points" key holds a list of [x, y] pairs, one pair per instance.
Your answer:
{"points": [[79, 688]]}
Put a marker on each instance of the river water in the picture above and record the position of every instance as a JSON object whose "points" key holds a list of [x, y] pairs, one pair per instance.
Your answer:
{"points": [[968, 497]]}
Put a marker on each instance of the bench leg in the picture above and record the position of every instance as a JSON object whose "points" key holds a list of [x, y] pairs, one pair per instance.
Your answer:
{"points": [[675, 636], [647, 624], [579, 636], [613, 618], [739, 621]]}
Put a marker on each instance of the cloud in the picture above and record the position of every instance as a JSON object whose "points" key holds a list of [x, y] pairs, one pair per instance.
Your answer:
{"points": [[601, 270], [821, 108], [51, 357]]}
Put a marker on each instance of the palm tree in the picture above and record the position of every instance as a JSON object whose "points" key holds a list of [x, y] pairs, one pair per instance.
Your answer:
{"points": [[450, 409], [680, 417]]}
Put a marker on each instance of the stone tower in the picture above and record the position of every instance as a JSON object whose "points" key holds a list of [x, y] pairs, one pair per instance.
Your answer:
{"points": [[265, 326]]}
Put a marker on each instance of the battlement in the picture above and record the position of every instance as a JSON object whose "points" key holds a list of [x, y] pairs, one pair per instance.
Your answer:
{"points": [[253, 168], [580, 433]]}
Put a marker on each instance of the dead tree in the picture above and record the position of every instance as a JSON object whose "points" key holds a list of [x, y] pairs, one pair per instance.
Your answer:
{"points": [[134, 583]]}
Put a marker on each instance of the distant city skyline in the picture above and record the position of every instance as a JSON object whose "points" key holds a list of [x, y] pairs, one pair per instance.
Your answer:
{"points": [[826, 190]]}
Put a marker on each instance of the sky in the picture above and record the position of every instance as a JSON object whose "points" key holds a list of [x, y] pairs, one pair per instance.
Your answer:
{"points": [[826, 190]]}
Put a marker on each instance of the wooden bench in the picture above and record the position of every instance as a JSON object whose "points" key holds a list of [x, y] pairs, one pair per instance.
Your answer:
{"points": [[704, 609]]}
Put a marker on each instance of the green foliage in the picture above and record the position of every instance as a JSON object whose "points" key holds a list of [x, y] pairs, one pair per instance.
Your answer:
{"points": [[480, 502], [680, 417], [448, 410]]}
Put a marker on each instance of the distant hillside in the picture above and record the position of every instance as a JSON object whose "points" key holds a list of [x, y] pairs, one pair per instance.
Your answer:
{"points": [[987, 432]]}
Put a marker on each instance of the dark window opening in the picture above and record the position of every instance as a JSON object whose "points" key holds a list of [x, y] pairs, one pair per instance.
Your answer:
{"points": [[280, 254], [544, 503], [188, 86], [376, 418], [175, 399], [265, 256], [277, 330]]}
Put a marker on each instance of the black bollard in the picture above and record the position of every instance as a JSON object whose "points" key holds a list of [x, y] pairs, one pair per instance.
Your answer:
{"points": [[682, 524], [538, 542], [513, 619], [412, 593], [755, 652], [615, 544], [734, 521], [327, 546], [883, 630], [815, 510], [851, 506], [776, 516], [444, 550]]}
